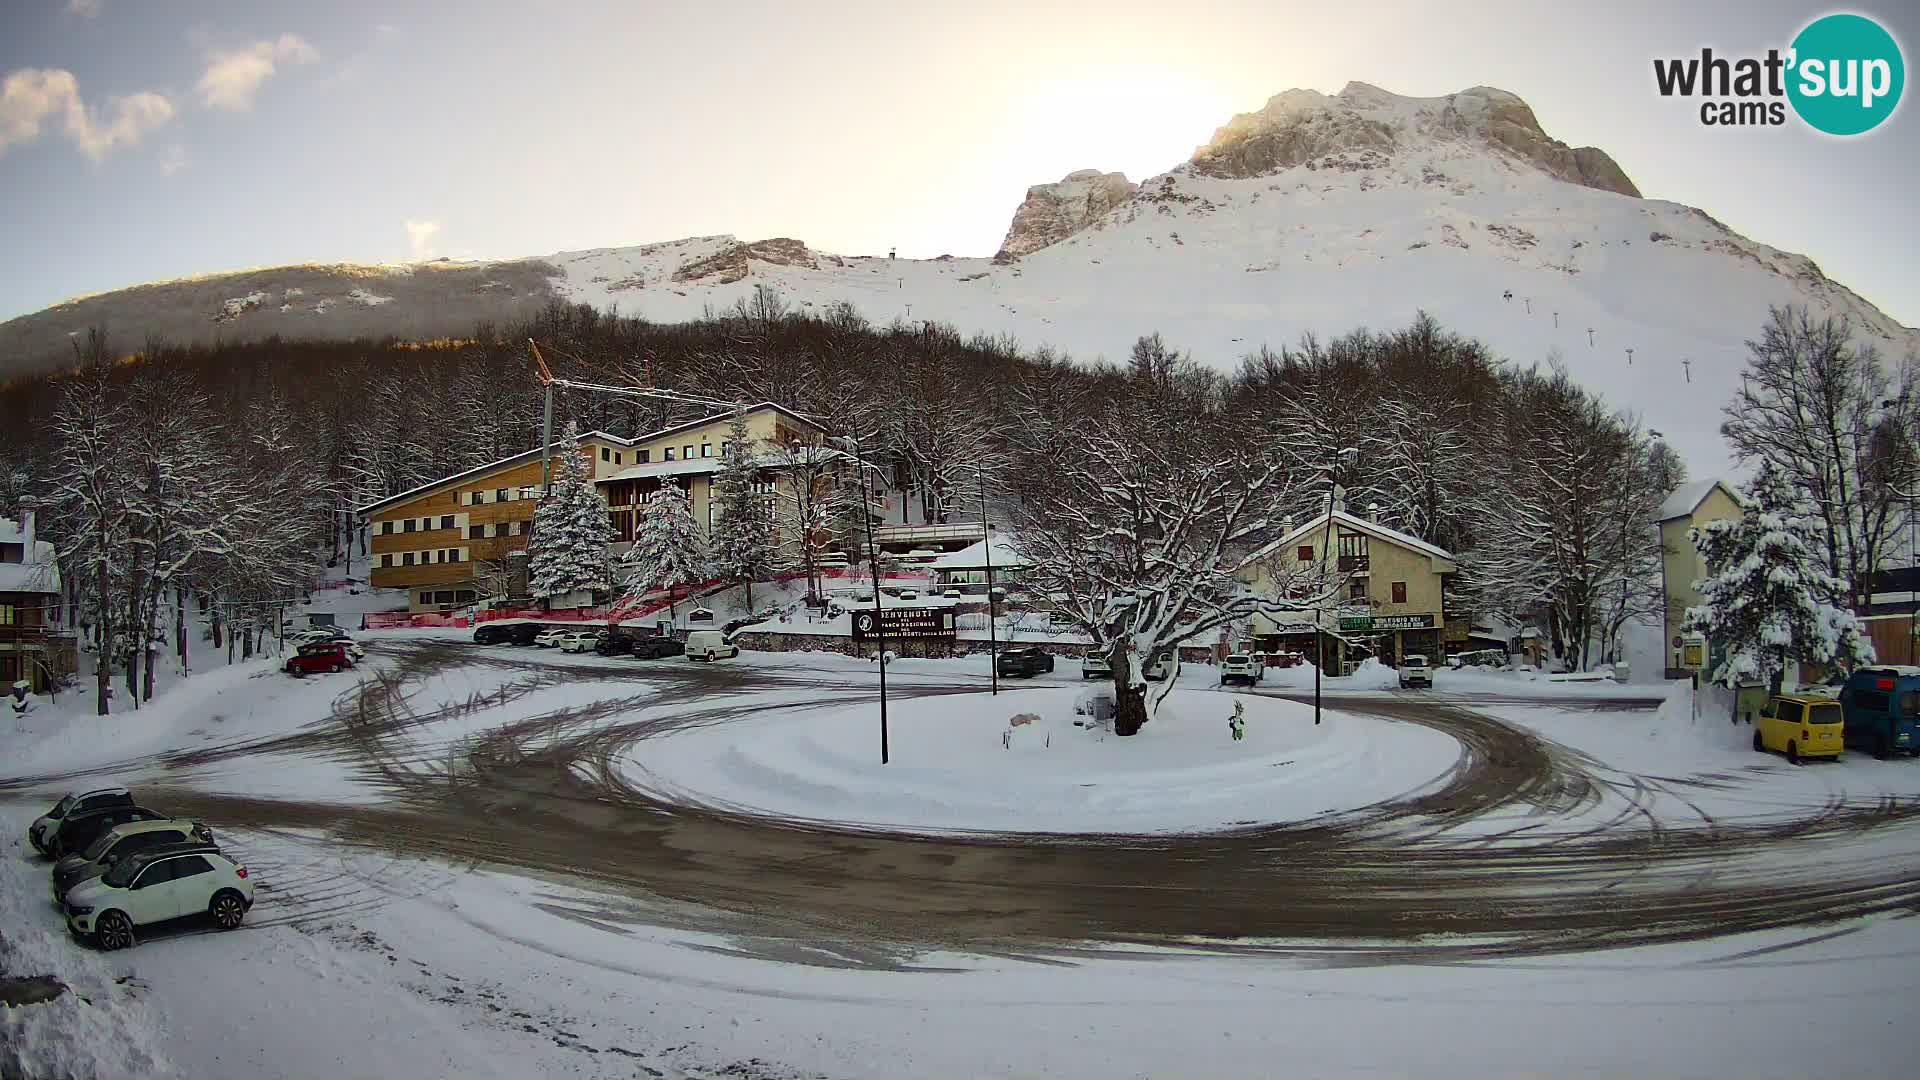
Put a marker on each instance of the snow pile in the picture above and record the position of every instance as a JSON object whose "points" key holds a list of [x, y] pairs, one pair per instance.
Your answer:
{"points": [[101, 1026], [369, 298], [961, 764], [1369, 674], [238, 306]]}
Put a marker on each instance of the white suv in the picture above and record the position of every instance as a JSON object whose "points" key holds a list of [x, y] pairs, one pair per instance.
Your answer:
{"points": [[155, 886], [578, 641], [1240, 667], [551, 636], [1415, 671]]}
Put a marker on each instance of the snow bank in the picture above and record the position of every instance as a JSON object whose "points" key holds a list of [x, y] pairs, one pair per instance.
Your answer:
{"points": [[959, 764], [102, 1026]]}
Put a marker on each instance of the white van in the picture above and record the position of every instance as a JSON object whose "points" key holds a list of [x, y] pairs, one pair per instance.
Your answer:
{"points": [[710, 645]]}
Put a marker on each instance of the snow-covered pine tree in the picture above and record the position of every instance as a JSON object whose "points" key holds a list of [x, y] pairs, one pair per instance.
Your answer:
{"points": [[1768, 597], [568, 549], [742, 541], [668, 550]]}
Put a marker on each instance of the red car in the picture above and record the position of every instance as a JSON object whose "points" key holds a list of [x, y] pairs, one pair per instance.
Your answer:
{"points": [[322, 656]]}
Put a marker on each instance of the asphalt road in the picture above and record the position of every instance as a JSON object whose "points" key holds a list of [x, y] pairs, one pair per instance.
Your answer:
{"points": [[1522, 847]]}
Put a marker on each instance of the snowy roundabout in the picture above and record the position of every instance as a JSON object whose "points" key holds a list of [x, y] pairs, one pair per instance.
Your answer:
{"points": [[1029, 761]]}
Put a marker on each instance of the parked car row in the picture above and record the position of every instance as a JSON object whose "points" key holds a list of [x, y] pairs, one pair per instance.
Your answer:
{"points": [[706, 645], [119, 866]]}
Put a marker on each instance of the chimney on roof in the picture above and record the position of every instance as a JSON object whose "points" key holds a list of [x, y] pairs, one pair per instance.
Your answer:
{"points": [[26, 532], [1339, 499]]}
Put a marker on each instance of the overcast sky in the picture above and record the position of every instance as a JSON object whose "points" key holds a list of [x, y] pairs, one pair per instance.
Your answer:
{"points": [[142, 140]]}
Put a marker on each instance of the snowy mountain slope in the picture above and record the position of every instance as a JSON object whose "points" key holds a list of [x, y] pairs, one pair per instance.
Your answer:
{"points": [[1315, 214]]}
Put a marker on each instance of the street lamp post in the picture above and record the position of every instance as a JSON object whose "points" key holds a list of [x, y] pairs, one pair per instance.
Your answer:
{"points": [[1319, 634], [986, 545], [873, 560], [879, 623]]}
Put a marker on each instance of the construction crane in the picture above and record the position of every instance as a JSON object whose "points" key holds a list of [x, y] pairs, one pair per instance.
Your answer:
{"points": [[548, 381]]}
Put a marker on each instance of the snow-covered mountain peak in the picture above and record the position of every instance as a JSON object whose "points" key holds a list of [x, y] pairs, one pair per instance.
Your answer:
{"points": [[1299, 127]]}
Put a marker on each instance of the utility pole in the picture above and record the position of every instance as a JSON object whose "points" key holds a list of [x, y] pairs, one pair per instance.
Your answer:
{"points": [[1319, 634], [873, 560], [986, 545]]}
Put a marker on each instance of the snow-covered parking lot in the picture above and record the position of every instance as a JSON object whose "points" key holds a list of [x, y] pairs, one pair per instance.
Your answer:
{"points": [[510, 862]]}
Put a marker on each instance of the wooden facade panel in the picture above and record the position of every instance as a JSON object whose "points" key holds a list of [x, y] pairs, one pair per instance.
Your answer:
{"points": [[403, 577], [1893, 641], [417, 541]]}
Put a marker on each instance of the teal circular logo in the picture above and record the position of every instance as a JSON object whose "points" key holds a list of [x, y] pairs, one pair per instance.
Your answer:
{"points": [[1846, 75]]}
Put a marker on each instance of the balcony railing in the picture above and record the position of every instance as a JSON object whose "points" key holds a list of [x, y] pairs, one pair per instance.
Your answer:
{"points": [[35, 635], [1352, 564]]}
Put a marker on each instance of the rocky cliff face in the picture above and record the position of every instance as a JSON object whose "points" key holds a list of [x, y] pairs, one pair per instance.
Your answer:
{"points": [[1053, 212], [1300, 127], [736, 262]]}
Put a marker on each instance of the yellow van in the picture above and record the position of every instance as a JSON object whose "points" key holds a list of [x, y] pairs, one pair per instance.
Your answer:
{"points": [[1800, 726]]}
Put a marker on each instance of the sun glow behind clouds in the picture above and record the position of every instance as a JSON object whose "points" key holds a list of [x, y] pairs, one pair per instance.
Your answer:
{"points": [[1140, 122]]}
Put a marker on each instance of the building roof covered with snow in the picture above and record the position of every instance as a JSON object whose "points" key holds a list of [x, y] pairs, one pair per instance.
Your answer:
{"points": [[1687, 498], [588, 439], [654, 470], [26, 563], [1349, 523], [974, 556]]}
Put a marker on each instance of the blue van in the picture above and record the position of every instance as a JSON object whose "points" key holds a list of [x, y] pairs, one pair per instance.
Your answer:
{"points": [[1882, 710]]}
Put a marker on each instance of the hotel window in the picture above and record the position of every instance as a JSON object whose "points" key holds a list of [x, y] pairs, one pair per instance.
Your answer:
{"points": [[641, 457], [606, 454], [1304, 553], [406, 558], [446, 521], [686, 452], [386, 528], [1399, 592], [475, 532], [386, 559], [667, 454], [409, 525], [500, 495], [7, 616], [706, 449], [1357, 589]]}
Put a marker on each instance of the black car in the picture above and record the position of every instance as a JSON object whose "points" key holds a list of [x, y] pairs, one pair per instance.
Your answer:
{"points": [[653, 648], [614, 644], [109, 848], [490, 633], [40, 833], [523, 633], [1024, 662], [80, 829]]}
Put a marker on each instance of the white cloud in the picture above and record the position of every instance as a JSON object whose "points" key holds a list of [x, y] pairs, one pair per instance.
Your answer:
{"points": [[33, 96], [173, 159], [233, 75], [84, 8], [420, 236]]}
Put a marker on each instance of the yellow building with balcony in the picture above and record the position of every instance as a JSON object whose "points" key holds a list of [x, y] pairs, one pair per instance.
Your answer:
{"points": [[1382, 593]]}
